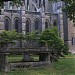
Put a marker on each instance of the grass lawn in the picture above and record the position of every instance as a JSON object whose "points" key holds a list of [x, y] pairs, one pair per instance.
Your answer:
{"points": [[14, 58], [65, 66]]}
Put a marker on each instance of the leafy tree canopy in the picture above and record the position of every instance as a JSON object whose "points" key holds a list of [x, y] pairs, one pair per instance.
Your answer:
{"points": [[50, 39], [7, 37], [70, 9]]}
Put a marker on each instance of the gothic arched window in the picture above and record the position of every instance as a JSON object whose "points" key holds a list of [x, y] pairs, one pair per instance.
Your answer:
{"points": [[27, 26], [54, 23], [17, 25], [7, 22], [36, 25], [46, 25]]}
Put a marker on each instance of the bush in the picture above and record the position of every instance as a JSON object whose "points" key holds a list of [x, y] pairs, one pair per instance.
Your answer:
{"points": [[51, 39]]}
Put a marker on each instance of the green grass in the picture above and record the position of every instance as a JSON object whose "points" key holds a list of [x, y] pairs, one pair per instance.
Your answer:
{"points": [[65, 66], [12, 58]]}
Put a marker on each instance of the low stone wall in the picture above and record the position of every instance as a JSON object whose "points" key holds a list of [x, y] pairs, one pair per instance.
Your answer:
{"points": [[28, 64]]}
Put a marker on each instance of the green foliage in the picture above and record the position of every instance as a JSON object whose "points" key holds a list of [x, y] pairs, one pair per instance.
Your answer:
{"points": [[50, 39], [32, 36], [70, 9], [1, 4], [7, 37], [66, 48]]}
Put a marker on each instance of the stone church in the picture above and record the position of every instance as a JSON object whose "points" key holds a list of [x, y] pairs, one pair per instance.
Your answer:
{"points": [[31, 16], [35, 15]]}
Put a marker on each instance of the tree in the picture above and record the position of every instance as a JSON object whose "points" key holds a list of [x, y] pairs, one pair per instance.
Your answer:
{"points": [[70, 9], [50, 39], [7, 37]]}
